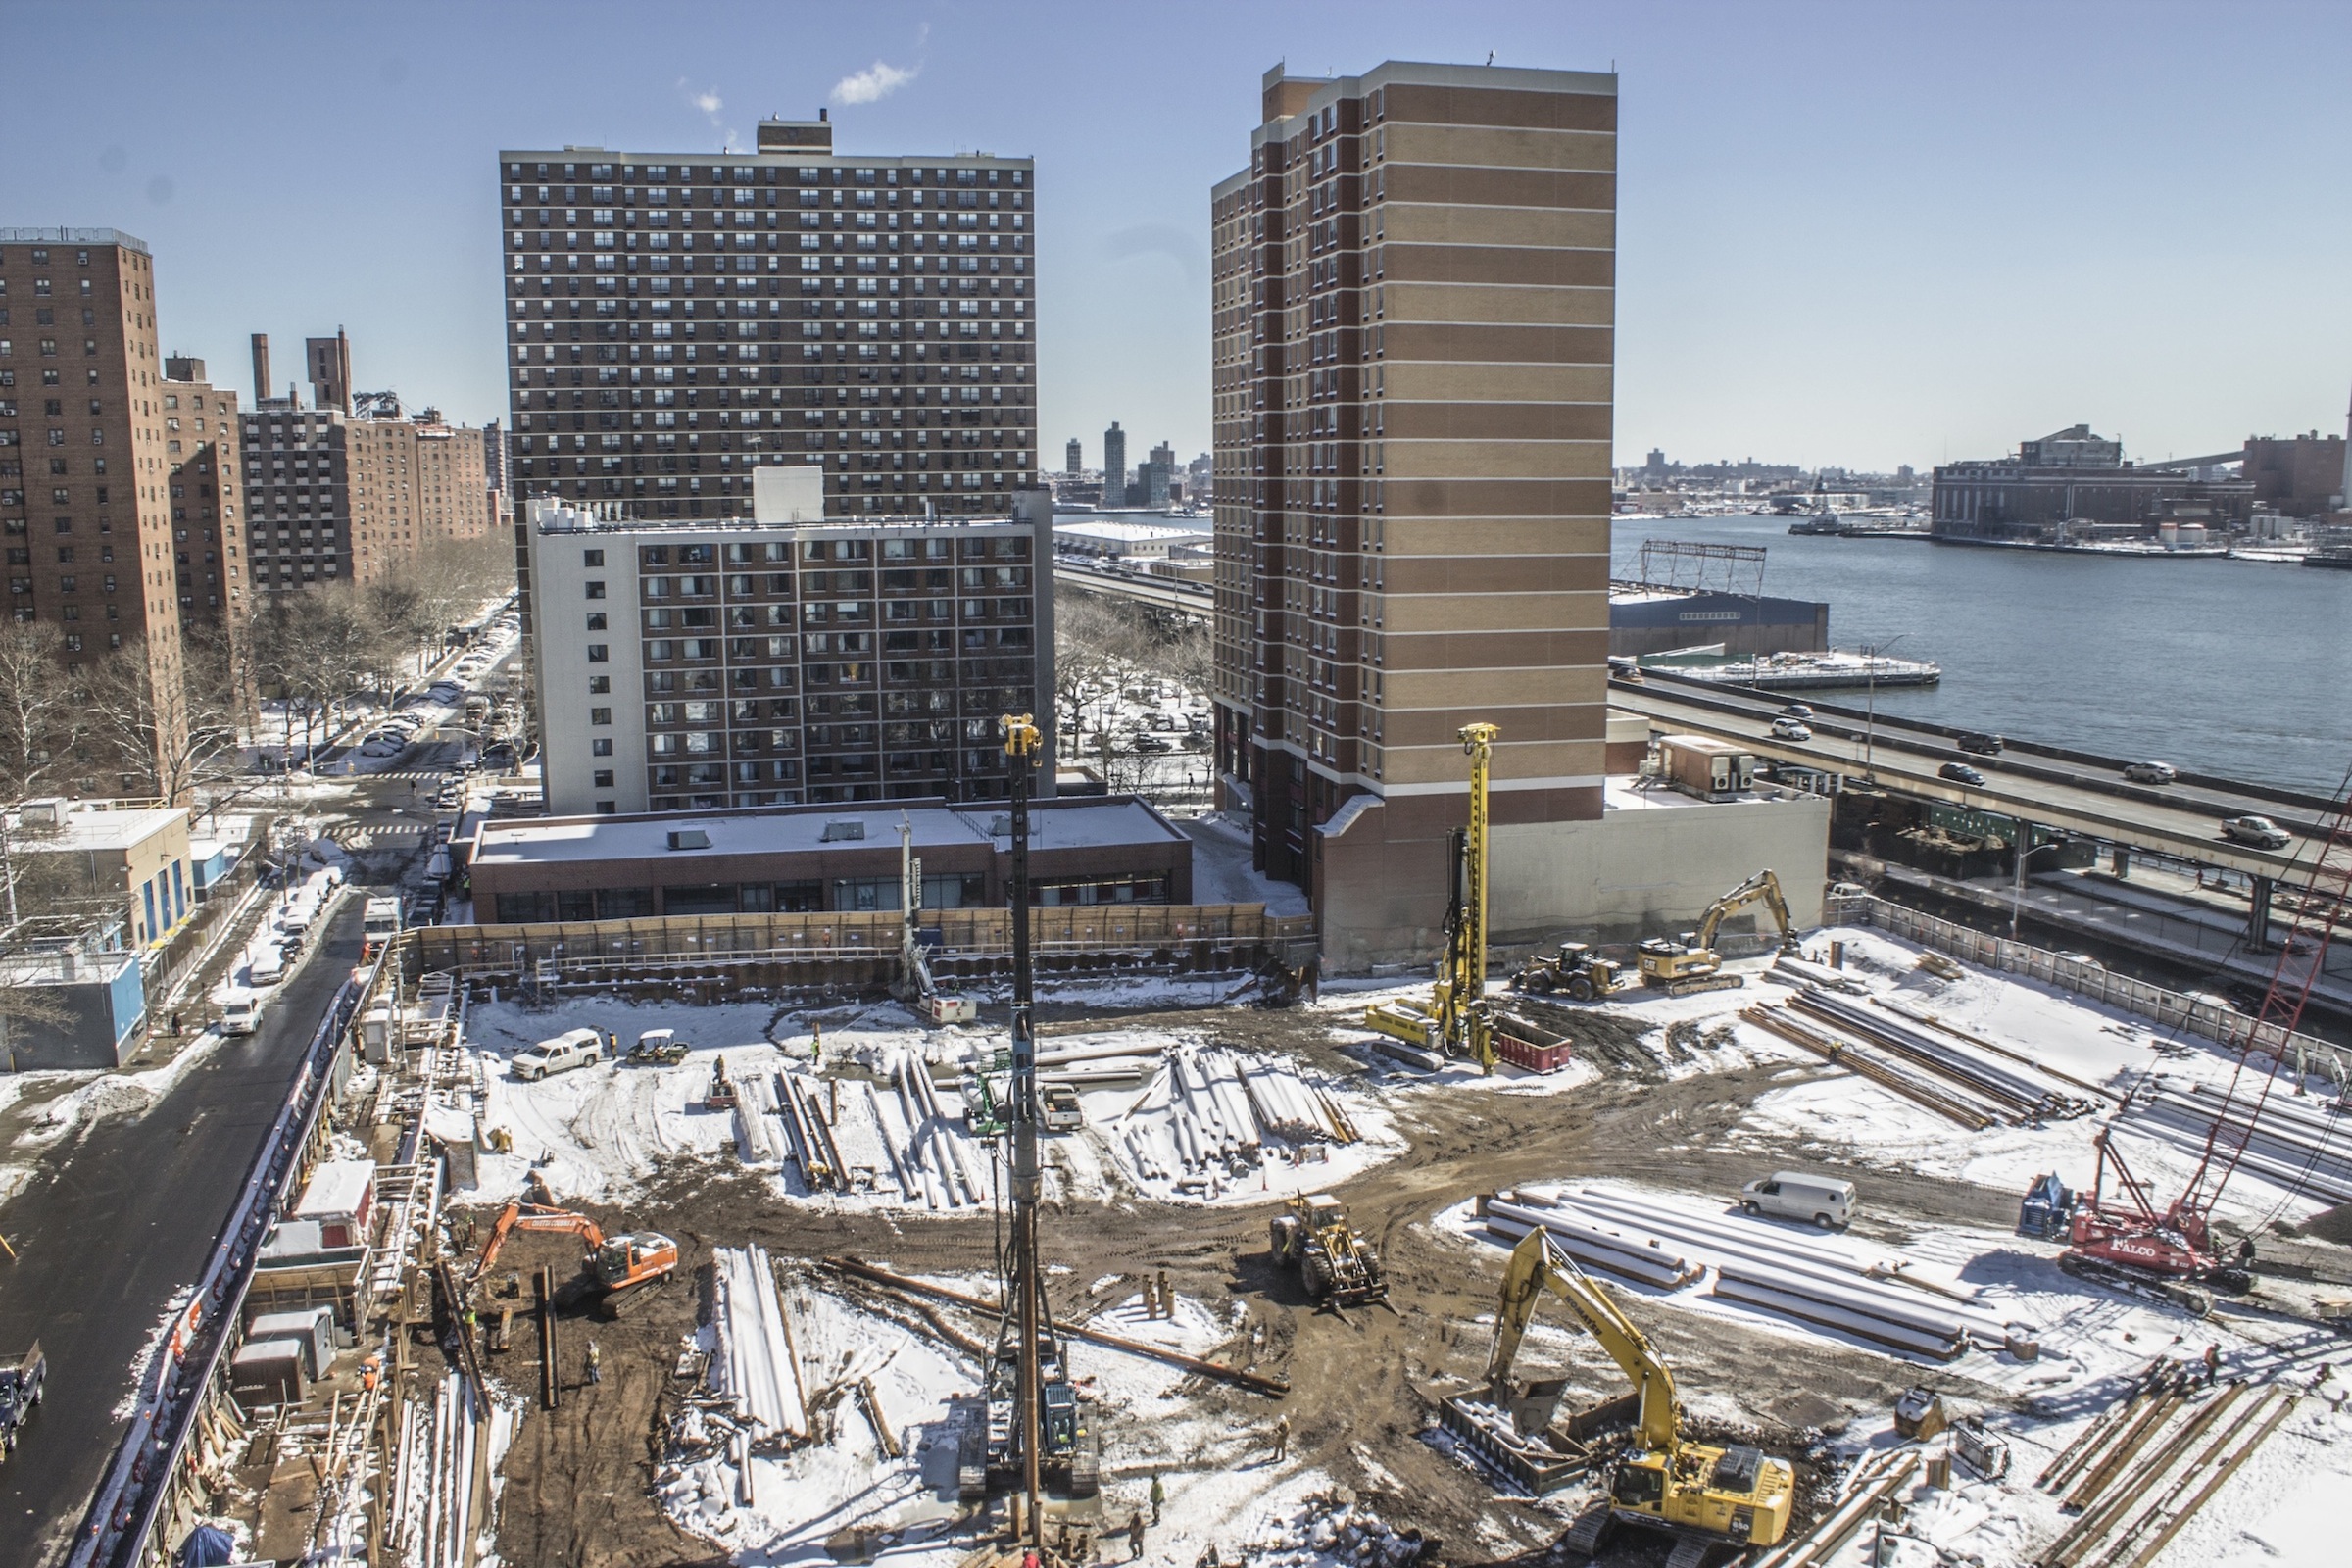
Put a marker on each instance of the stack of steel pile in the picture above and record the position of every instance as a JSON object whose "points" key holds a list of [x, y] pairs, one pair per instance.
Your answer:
{"points": [[1813, 1278], [2298, 1143]]}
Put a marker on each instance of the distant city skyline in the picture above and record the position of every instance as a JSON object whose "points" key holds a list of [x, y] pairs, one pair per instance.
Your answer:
{"points": [[1850, 235]]}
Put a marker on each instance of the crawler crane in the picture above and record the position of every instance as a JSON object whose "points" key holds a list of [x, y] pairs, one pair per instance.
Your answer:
{"points": [[1702, 1494]]}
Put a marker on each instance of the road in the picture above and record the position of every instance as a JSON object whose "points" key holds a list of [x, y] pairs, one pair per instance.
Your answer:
{"points": [[116, 1226], [1161, 592], [2078, 797]]}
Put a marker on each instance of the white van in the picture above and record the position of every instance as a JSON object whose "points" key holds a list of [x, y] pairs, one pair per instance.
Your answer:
{"points": [[1793, 1195], [579, 1049], [237, 1017]]}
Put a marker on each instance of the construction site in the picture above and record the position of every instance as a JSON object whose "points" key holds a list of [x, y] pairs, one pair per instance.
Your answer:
{"points": [[1882, 1240]]}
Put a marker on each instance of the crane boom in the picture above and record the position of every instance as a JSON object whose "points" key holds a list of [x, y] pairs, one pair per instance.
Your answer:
{"points": [[1538, 1265]]}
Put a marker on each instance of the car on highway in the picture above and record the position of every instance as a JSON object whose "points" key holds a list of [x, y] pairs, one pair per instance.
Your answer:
{"points": [[2150, 772], [1981, 745], [2259, 831], [1798, 711], [1786, 728], [1960, 773]]}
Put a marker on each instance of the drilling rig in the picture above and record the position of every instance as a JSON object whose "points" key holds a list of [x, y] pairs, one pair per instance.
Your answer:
{"points": [[1035, 1427]]}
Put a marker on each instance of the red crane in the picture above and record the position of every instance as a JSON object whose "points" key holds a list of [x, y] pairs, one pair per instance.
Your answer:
{"points": [[2123, 1237]]}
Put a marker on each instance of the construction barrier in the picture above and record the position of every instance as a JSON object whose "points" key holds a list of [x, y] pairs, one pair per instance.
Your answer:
{"points": [[2208, 1019]]}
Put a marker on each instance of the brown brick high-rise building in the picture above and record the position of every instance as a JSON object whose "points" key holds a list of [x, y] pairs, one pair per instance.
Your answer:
{"points": [[201, 438], [1413, 380], [84, 472]]}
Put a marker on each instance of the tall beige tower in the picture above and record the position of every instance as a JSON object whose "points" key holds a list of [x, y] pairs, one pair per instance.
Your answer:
{"points": [[1414, 297]]}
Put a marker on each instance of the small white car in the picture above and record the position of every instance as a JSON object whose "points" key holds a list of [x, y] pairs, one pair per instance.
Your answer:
{"points": [[1791, 729], [2150, 772], [268, 967], [238, 1017], [580, 1048]]}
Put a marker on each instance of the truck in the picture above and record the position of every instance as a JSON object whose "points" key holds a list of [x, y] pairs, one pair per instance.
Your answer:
{"points": [[378, 926], [20, 1379]]}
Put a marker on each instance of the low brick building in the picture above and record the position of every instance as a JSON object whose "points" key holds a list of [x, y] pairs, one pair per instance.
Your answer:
{"points": [[790, 859]]}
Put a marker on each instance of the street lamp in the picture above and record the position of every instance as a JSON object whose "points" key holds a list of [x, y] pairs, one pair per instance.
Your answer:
{"points": [[2018, 858], [1870, 735]]}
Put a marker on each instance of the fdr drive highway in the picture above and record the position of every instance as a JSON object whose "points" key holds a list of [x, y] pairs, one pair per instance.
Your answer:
{"points": [[115, 1225], [2048, 786]]}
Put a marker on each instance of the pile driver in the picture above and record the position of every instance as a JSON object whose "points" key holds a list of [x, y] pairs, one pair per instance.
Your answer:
{"points": [[1458, 1020]]}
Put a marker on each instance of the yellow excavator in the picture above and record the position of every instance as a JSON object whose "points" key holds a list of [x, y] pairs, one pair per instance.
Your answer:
{"points": [[1457, 1020], [1687, 964], [1702, 1494]]}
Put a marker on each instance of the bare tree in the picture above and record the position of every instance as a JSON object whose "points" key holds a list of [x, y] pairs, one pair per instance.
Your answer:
{"points": [[40, 722], [162, 733]]}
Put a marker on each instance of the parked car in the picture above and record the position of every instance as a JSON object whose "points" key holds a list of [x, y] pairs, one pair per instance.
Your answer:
{"points": [[1825, 1201], [1786, 728], [2150, 772], [1150, 743], [2259, 831], [267, 968], [1960, 773], [1981, 745], [580, 1048]]}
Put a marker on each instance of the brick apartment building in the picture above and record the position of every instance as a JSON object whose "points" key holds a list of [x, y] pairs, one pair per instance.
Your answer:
{"points": [[784, 658], [1413, 359], [84, 469], [202, 432]]}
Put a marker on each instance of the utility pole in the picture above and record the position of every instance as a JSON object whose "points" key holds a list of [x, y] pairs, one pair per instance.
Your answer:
{"points": [[1022, 752]]}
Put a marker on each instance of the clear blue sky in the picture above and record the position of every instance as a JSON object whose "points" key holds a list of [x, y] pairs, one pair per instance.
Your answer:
{"points": [[1856, 233]]}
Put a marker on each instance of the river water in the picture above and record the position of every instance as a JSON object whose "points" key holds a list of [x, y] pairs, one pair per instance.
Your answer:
{"points": [[2232, 667]]}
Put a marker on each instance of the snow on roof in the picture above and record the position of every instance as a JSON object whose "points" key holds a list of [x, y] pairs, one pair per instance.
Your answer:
{"points": [[123, 828], [524, 842], [336, 1187], [1124, 532]]}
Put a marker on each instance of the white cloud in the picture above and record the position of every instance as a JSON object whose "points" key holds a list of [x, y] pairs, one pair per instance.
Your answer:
{"points": [[708, 103], [877, 80]]}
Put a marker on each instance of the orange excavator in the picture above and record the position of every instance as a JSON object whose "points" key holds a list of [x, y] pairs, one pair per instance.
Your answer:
{"points": [[615, 1267]]}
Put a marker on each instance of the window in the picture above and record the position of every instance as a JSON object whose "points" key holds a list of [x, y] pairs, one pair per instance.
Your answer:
{"points": [[599, 653], [601, 745], [600, 715], [594, 558], [596, 589], [602, 778], [597, 685], [596, 621]]}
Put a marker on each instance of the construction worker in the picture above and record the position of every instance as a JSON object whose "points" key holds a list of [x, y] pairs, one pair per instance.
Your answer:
{"points": [[1282, 1438], [1134, 1536], [2213, 1364], [816, 1045], [1159, 1495], [596, 1363]]}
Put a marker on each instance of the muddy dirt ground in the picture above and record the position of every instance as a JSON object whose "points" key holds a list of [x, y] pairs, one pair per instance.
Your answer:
{"points": [[579, 1489]]}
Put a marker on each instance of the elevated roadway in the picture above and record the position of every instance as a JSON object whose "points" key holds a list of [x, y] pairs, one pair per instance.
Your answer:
{"points": [[1160, 592], [2046, 785]]}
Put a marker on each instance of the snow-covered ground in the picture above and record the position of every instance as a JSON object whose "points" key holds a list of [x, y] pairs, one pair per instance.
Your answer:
{"points": [[784, 1504], [600, 1130]]}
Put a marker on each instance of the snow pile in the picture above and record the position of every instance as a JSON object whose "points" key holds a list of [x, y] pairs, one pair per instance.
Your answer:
{"points": [[754, 1367]]}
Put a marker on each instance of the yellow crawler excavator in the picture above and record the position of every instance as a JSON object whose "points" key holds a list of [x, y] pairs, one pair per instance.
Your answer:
{"points": [[1702, 1494], [1690, 965]]}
